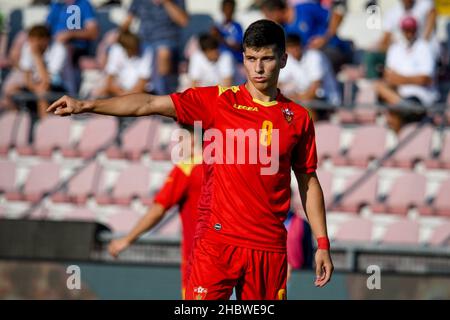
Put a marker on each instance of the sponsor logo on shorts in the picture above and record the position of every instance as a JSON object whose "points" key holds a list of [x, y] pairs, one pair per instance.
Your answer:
{"points": [[217, 226], [200, 293]]}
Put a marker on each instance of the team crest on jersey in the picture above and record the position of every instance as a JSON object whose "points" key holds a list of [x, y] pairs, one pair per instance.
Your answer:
{"points": [[200, 293], [288, 114]]}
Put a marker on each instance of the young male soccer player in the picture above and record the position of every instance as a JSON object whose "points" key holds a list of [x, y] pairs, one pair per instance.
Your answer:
{"points": [[240, 237], [182, 187]]}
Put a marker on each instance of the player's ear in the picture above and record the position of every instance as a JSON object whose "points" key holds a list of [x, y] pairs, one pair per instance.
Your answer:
{"points": [[283, 60]]}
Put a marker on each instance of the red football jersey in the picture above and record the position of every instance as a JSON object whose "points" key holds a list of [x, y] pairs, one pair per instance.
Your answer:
{"points": [[183, 187], [239, 205]]}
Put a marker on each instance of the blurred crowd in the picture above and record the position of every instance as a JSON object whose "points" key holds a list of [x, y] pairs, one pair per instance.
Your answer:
{"points": [[407, 68]]}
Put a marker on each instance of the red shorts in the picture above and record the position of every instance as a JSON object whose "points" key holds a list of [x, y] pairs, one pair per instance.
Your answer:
{"points": [[216, 268]]}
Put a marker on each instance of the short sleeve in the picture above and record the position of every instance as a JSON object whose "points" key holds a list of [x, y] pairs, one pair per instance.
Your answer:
{"points": [[113, 62], [196, 104], [426, 65], [195, 67], [315, 65], [26, 59], [56, 58], [174, 189], [88, 12], [304, 157], [145, 65], [226, 65]]}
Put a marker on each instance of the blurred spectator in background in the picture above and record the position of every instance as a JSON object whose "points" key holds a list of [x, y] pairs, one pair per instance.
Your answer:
{"points": [[209, 66], [42, 67], [299, 244], [62, 21], [425, 14], [229, 32], [408, 76], [128, 68], [315, 25], [308, 75], [159, 30]]}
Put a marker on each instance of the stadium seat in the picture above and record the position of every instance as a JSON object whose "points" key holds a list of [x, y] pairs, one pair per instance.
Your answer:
{"points": [[326, 182], [355, 230], [123, 220], [80, 214], [440, 235], [407, 191], [364, 194], [133, 181], [50, 134], [360, 151], [136, 139], [83, 185], [418, 148], [163, 143], [97, 134], [441, 202], [328, 139], [42, 178], [443, 161], [357, 115], [7, 176], [14, 130], [171, 227], [402, 232]]}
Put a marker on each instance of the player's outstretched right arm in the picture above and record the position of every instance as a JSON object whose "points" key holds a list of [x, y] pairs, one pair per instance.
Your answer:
{"points": [[131, 105]]}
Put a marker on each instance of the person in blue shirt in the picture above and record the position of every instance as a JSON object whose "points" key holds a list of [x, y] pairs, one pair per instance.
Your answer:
{"points": [[315, 25], [229, 32], [73, 23]]}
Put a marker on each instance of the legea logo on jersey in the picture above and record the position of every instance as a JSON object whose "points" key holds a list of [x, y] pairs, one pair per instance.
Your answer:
{"points": [[234, 146], [241, 107]]}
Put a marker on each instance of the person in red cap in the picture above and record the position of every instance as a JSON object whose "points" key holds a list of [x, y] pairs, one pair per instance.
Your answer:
{"points": [[408, 77]]}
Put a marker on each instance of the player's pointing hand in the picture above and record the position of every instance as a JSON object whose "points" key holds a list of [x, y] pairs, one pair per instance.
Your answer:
{"points": [[66, 106]]}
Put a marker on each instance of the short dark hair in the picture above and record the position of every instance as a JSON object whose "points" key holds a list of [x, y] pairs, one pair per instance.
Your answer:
{"points": [[39, 31], [129, 41], [273, 5], [293, 39], [208, 42], [265, 33], [230, 2]]}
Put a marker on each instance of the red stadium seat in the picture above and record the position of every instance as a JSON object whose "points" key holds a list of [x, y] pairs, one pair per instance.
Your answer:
{"points": [[51, 133], [441, 202], [443, 161], [328, 138], [440, 235], [137, 139], [364, 194], [171, 228], [416, 149], [7, 176], [14, 130], [326, 182], [80, 214], [134, 181], [42, 177], [408, 190], [355, 230], [99, 132], [83, 185], [123, 221], [402, 232], [368, 143]]}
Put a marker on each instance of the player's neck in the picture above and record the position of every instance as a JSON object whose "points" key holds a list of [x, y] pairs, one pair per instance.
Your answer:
{"points": [[266, 96]]}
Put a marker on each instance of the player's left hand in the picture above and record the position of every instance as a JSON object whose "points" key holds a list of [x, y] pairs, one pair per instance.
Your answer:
{"points": [[324, 267]]}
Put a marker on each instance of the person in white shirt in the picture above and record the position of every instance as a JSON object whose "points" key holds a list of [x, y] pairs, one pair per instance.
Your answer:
{"points": [[409, 74], [209, 66], [42, 65], [127, 70], [308, 74]]}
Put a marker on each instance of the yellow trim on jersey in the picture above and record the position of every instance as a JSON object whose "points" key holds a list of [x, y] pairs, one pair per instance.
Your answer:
{"points": [[187, 165], [264, 103], [224, 89]]}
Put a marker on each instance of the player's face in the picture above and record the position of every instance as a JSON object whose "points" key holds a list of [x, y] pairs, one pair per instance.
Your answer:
{"points": [[263, 67]]}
